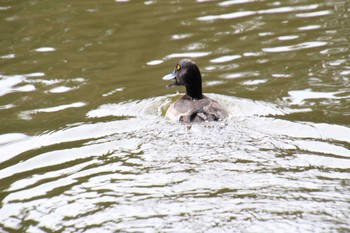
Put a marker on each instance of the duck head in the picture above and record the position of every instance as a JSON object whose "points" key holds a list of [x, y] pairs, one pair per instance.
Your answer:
{"points": [[186, 73]]}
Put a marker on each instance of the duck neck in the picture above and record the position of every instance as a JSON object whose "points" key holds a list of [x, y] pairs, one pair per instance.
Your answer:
{"points": [[194, 92]]}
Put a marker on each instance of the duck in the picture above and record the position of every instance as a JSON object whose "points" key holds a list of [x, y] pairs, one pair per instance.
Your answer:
{"points": [[193, 107]]}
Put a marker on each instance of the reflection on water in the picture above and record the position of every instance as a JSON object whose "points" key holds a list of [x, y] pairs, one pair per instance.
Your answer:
{"points": [[85, 146]]}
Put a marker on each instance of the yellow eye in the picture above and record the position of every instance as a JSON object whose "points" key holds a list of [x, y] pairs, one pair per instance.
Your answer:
{"points": [[178, 67]]}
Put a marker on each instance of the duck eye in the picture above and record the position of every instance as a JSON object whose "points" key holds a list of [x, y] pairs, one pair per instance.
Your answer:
{"points": [[178, 67]]}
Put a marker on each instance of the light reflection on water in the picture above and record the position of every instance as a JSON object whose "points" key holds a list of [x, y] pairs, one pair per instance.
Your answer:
{"points": [[85, 147]]}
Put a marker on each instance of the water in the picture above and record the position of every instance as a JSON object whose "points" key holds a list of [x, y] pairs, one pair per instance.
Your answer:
{"points": [[85, 146]]}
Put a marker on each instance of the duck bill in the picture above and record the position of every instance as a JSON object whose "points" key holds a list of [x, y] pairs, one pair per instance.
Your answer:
{"points": [[170, 77]]}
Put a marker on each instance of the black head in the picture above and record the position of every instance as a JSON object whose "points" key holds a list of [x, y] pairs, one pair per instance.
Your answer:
{"points": [[186, 73]]}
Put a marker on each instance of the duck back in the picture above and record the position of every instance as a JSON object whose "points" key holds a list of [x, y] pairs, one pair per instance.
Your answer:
{"points": [[188, 110]]}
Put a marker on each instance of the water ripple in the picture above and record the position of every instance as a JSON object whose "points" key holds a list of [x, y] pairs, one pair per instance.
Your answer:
{"points": [[235, 2], [45, 49], [187, 54], [314, 14], [10, 84], [304, 45], [225, 58], [226, 16], [277, 10], [289, 9], [27, 115]]}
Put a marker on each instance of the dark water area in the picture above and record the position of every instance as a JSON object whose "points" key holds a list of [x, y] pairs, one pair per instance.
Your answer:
{"points": [[85, 145]]}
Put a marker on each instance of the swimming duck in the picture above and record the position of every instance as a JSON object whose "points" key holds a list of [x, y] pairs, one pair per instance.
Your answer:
{"points": [[193, 106]]}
